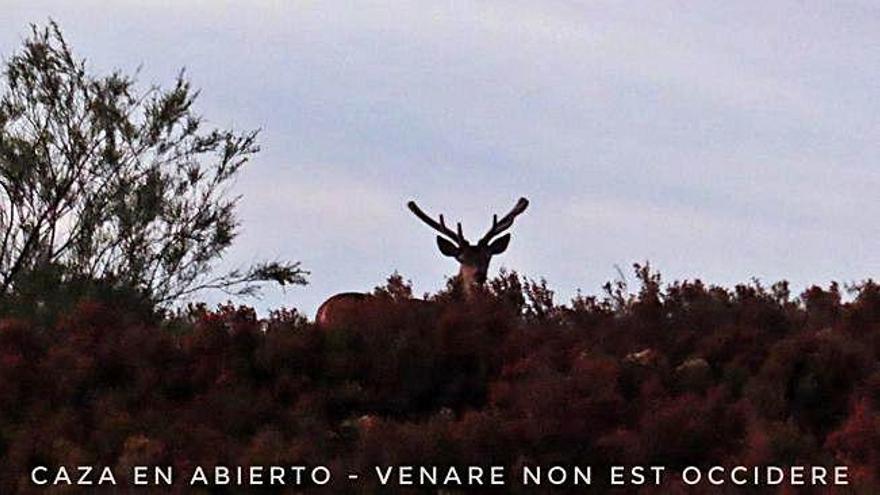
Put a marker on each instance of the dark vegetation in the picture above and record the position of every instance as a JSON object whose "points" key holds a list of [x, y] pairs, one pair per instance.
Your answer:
{"points": [[671, 375]]}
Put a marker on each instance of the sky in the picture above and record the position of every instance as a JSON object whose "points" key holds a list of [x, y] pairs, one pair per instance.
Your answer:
{"points": [[723, 141]]}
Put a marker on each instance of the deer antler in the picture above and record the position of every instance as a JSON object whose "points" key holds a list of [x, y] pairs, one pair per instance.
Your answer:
{"points": [[499, 226], [457, 237]]}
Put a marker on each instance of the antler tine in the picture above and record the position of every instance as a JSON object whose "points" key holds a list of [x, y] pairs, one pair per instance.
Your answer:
{"points": [[499, 226], [439, 227]]}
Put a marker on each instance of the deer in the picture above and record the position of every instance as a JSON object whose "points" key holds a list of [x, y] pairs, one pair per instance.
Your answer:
{"points": [[473, 262]]}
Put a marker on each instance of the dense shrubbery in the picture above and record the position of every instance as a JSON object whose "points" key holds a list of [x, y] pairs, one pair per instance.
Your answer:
{"points": [[673, 375]]}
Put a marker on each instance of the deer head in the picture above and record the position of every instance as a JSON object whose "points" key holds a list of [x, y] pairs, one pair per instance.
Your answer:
{"points": [[473, 258]]}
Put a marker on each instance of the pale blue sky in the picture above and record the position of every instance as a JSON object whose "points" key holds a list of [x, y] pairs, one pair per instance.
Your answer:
{"points": [[718, 141]]}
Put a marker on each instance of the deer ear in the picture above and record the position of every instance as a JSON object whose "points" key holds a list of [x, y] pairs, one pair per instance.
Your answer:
{"points": [[499, 245], [446, 247]]}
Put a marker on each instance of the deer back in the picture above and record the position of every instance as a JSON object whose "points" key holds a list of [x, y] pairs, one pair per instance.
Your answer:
{"points": [[350, 309]]}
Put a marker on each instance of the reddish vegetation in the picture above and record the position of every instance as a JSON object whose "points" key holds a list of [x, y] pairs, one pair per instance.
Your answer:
{"points": [[678, 375]]}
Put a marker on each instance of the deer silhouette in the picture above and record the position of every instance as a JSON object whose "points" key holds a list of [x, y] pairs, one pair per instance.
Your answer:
{"points": [[473, 262]]}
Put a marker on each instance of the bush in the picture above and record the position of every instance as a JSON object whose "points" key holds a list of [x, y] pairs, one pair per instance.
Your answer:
{"points": [[687, 374]]}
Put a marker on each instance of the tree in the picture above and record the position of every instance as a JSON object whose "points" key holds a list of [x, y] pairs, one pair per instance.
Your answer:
{"points": [[103, 180]]}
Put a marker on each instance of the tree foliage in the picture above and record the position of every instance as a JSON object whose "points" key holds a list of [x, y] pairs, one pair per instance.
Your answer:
{"points": [[102, 179]]}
